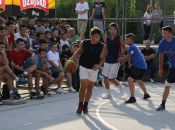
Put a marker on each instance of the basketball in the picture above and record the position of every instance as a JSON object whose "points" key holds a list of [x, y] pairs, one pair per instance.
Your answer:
{"points": [[70, 66]]}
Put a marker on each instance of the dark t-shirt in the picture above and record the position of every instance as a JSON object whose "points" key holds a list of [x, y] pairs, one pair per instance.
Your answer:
{"points": [[53, 40], [147, 53], [64, 29], [65, 54], [98, 10], [32, 30]]}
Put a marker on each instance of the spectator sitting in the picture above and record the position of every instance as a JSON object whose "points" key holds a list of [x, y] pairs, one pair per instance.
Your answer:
{"points": [[67, 27], [46, 25], [5, 18], [47, 37], [42, 44], [3, 38], [30, 40], [2, 21], [32, 28], [19, 21], [10, 32], [65, 56], [55, 38], [22, 34], [64, 41], [39, 27], [148, 54], [65, 47], [73, 36], [63, 25], [18, 54], [39, 36], [57, 26], [53, 62]]}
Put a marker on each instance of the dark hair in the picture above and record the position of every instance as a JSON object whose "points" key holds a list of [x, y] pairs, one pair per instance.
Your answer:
{"points": [[47, 32], [9, 23], [38, 34], [22, 26], [95, 30], [2, 28], [40, 20], [2, 43], [113, 25], [40, 50], [42, 41], [27, 28], [31, 17], [65, 46], [18, 17], [10, 18], [45, 21], [53, 43], [63, 33], [63, 20], [57, 22], [130, 36], [19, 40], [168, 28], [4, 16], [75, 45], [53, 30]]}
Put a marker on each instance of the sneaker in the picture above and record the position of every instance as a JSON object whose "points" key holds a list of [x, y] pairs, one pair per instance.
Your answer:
{"points": [[151, 80], [1, 103], [15, 97], [96, 84], [131, 100], [11, 97], [33, 95], [22, 81], [160, 108], [85, 110], [39, 96], [60, 91], [80, 108], [71, 89], [42, 89], [107, 96], [100, 83], [146, 96], [122, 90], [48, 94]]}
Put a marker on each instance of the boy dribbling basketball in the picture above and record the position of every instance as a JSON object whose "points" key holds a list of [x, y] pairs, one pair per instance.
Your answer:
{"points": [[92, 57]]}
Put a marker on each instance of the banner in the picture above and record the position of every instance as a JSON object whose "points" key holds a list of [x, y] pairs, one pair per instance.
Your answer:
{"points": [[27, 8]]}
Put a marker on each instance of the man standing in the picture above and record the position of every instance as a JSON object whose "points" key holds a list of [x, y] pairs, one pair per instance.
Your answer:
{"points": [[82, 11], [167, 45], [148, 54], [98, 12]]}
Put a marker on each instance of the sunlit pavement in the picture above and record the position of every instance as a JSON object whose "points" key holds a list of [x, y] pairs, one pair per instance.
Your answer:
{"points": [[59, 112]]}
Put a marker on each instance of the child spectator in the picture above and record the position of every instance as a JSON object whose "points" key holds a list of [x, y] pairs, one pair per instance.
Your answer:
{"points": [[5, 18], [57, 26], [2, 21], [65, 47], [46, 25], [19, 21], [55, 38], [47, 37], [10, 32], [63, 25], [64, 41], [39, 27], [31, 26], [39, 36], [3, 37], [22, 34]]}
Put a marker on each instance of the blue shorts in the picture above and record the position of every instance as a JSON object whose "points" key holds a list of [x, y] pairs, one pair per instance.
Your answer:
{"points": [[55, 72]]}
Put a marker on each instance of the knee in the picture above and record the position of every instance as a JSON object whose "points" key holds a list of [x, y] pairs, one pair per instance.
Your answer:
{"points": [[130, 80], [83, 88], [38, 76], [61, 75]]}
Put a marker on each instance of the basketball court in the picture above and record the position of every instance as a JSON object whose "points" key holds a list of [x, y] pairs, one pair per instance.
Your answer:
{"points": [[59, 112]]}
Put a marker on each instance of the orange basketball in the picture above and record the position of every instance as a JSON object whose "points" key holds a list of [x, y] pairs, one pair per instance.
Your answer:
{"points": [[70, 66]]}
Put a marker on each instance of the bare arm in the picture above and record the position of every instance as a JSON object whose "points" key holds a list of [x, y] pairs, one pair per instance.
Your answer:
{"points": [[153, 16], [123, 46], [78, 52], [126, 58], [93, 12], [149, 57], [60, 65], [3, 60], [160, 60], [103, 13]]}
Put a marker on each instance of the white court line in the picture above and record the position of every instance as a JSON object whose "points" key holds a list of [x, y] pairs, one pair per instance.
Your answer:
{"points": [[101, 120]]}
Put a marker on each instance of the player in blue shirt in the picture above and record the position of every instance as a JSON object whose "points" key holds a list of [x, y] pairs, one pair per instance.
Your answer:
{"points": [[140, 66], [167, 46]]}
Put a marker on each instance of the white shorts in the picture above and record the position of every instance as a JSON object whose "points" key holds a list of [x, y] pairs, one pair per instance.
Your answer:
{"points": [[110, 71], [89, 74]]}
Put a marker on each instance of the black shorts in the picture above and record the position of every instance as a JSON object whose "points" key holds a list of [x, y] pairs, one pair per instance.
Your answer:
{"points": [[18, 72], [137, 73], [171, 75]]}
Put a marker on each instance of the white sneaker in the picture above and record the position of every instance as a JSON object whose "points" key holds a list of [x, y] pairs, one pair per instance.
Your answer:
{"points": [[108, 95], [152, 81], [60, 91], [71, 89], [152, 42], [122, 90]]}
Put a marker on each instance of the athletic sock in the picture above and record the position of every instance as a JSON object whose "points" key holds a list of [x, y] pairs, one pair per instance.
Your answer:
{"points": [[25, 73], [120, 85], [17, 79], [108, 90], [32, 90], [163, 102], [132, 95], [11, 92], [146, 93]]}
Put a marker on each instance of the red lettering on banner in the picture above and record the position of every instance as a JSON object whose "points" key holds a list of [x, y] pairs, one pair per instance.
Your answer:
{"points": [[40, 4], [2, 4]]}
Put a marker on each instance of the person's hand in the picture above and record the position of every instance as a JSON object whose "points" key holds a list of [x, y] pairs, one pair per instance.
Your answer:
{"points": [[90, 18], [80, 12], [5, 38], [130, 65], [2, 51], [96, 67], [26, 35], [119, 60], [104, 18], [160, 73]]}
